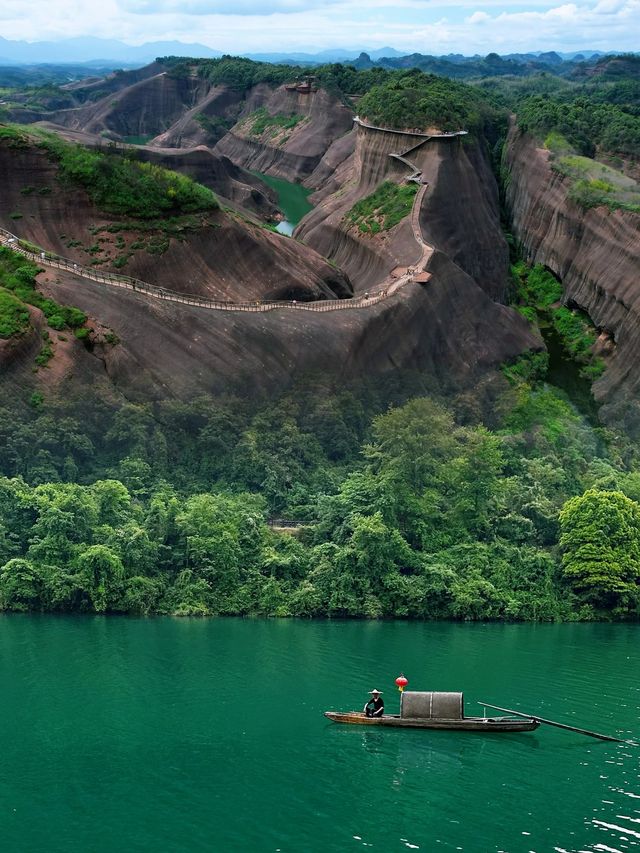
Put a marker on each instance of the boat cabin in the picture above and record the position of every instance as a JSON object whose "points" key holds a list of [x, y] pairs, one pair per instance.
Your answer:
{"points": [[416, 705]]}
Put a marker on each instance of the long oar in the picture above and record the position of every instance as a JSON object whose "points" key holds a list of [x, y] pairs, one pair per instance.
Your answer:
{"points": [[560, 725]]}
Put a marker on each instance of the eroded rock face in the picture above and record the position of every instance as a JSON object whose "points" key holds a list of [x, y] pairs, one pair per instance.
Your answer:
{"points": [[595, 253], [227, 180], [461, 214], [292, 153], [145, 108], [206, 122], [448, 332]]}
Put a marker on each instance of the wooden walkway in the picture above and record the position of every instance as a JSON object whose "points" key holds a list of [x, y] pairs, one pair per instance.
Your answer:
{"points": [[382, 291], [451, 134], [416, 173]]}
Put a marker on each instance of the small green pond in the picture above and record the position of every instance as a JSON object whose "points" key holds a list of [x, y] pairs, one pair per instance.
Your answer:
{"points": [[293, 201]]}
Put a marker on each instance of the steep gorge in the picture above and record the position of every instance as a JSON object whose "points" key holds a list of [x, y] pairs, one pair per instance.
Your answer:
{"points": [[459, 214], [218, 255], [594, 253]]}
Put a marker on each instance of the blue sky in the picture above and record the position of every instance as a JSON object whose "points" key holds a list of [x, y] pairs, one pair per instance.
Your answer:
{"points": [[427, 26]]}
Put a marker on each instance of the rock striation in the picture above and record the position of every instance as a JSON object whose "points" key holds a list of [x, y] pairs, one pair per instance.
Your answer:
{"points": [[595, 254], [459, 213], [450, 332], [293, 154]]}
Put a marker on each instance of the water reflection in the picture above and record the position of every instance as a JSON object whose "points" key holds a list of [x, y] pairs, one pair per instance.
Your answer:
{"points": [[285, 227], [372, 741]]}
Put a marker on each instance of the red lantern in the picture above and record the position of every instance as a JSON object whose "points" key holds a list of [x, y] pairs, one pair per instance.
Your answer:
{"points": [[402, 682]]}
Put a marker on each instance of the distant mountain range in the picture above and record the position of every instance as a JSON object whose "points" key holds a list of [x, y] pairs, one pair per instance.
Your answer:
{"points": [[98, 52], [95, 51]]}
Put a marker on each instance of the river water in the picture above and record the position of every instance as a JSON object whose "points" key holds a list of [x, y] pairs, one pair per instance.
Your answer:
{"points": [[188, 735], [293, 201]]}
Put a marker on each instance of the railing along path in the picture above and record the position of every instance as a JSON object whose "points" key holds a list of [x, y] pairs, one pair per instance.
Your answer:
{"points": [[449, 135], [48, 259]]}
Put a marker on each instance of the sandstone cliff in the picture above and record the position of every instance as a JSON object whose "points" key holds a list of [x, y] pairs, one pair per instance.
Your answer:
{"points": [[459, 213], [595, 254], [145, 108], [289, 153], [449, 333], [228, 181]]}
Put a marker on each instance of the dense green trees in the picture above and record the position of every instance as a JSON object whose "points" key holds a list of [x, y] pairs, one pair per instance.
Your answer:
{"points": [[600, 541], [413, 100], [124, 186], [417, 510], [584, 121], [535, 519], [117, 183], [18, 289]]}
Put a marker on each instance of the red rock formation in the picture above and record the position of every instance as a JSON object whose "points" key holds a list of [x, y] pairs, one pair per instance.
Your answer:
{"points": [[450, 332], [228, 258], [296, 153], [459, 214], [595, 254]]}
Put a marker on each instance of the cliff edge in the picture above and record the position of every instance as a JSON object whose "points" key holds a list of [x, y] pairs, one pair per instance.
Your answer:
{"points": [[595, 255]]}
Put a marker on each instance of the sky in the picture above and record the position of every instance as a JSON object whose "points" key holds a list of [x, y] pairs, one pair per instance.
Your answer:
{"points": [[250, 26]]}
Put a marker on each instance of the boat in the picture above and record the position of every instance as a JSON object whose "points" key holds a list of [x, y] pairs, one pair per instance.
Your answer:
{"points": [[430, 710], [467, 724]]}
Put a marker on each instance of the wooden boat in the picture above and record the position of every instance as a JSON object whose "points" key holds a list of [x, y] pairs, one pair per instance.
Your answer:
{"points": [[420, 710], [466, 724]]}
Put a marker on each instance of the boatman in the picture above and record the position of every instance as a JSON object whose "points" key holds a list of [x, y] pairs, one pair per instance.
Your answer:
{"points": [[375, 705]]}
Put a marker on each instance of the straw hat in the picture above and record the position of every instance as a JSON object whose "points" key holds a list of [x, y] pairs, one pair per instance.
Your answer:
{"points": [[375, 691]]}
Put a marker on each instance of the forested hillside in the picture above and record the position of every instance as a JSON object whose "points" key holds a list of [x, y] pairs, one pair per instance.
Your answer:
{"points": [[421, 511]]}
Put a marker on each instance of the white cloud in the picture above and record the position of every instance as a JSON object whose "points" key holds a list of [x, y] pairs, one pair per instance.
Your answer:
{"points": [[428, 26], [221, 7], [479, 18]]}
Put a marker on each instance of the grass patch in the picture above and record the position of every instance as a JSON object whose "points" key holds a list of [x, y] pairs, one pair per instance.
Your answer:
{"points": [[384, 208], [153, 236], [529, 367], [556, 143], [123, 186], [261, 120], [535, 287], [16, 136], [578, 337], [118, 184], [29, 246], [46, 353], [592, 184], [14, 316], [17, 278]]}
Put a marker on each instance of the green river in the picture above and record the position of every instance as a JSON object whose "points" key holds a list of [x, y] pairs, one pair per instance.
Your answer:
{"points": [[187, 735]]}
